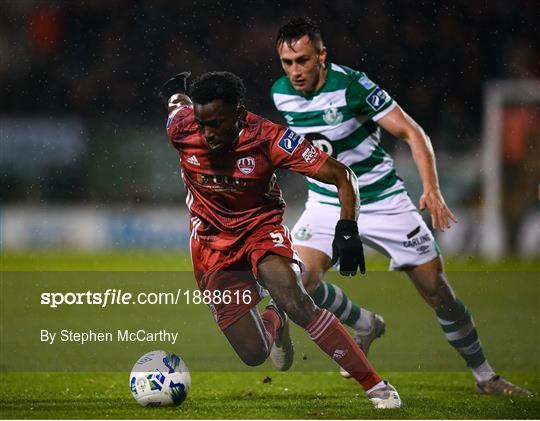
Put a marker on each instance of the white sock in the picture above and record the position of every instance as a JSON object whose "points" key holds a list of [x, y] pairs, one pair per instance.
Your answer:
{"points": [[379, 385], [363, 324], [483, 372]]}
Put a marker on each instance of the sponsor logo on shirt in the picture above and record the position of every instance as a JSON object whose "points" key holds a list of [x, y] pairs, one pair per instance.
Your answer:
{"points": [[366, 82], [416, 242], [221, 182], [377, 99], [310, 154], [321, 142], [290, 141], [246, 165], [423, 249]]}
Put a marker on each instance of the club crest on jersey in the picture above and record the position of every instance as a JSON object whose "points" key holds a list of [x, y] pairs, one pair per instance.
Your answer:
{"points": [[303, 233], [290, 141], [377, 99], [246, 165], [332, 116]]}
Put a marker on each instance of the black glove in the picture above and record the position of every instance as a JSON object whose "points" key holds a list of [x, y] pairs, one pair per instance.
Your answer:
{"points": [[175, 85], [347, 248]]}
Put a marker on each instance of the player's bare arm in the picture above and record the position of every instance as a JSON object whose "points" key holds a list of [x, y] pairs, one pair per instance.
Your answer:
{"points": [[347, 245], [341, 176], [401, 125], [178, 101]]}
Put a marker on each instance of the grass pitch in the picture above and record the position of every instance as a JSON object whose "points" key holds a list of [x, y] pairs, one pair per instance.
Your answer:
{"points": [[246, 395], [413, 355]]}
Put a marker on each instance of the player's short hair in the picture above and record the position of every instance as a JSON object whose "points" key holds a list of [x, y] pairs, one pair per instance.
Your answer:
{"points": [[295, 29], [225, 86]]}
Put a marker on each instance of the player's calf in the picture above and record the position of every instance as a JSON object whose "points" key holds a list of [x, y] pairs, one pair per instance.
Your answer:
{"points": [[282, 278], [284, 284], [247, 339]]}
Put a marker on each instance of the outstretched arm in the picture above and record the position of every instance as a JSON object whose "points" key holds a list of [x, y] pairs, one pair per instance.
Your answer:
{"points": [[401, 125], [173, 93], [177, 101]]}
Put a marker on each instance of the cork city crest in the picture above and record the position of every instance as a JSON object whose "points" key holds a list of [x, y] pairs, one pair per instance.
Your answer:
{"points": [[246, 165]]}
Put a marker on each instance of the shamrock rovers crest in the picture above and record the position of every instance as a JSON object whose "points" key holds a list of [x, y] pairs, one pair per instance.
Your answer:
{"points": [[332, 116], [303, 233]]}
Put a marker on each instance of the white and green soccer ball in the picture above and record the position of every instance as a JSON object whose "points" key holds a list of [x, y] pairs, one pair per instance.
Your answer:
{"points": [[159, 378]]}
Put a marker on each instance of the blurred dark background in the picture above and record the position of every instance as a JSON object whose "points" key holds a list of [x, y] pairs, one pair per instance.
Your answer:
{"points": [[104, 59], [80, 122]]}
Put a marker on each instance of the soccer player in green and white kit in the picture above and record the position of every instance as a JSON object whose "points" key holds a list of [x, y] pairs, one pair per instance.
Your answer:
{"points": [[340, 110]]}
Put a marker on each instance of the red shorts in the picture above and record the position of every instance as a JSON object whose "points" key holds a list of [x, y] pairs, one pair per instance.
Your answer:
{"points": [[230, 276]]}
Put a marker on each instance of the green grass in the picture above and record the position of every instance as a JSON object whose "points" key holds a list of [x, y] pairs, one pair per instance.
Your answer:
{"points": [[171, 261], [245, 395], [432, 380]]}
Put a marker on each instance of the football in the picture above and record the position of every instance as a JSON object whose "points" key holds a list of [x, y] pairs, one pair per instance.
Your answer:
{"points": [[159, 378]]}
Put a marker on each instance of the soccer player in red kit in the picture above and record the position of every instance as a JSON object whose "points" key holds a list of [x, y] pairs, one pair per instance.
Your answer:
{"points": [[239, 246]]}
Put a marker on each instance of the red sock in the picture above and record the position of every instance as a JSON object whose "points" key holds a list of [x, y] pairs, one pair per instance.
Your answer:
{"points": [[272, 322], [327, 332]]}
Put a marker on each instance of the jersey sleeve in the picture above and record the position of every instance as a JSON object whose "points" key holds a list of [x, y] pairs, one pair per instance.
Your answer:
{"points": [[293, 152], [178, 123], [367, 98]]}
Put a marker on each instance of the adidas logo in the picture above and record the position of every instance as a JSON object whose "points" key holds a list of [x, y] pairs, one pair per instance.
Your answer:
{"points": [[193, 160], [339, 354]]}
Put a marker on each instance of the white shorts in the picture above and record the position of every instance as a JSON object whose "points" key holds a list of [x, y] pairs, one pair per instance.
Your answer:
{"points": [[392, 226]]}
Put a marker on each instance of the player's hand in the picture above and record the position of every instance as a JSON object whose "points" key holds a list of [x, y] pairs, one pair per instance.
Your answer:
{"points": [[175, 85], [347, 248], [440, 213]]}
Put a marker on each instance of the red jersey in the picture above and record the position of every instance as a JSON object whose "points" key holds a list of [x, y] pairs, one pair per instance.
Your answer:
{"points": [[230, 193]]}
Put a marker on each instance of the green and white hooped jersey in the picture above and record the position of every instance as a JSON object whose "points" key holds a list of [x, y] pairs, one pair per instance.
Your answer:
{"points": [[341, 119]]}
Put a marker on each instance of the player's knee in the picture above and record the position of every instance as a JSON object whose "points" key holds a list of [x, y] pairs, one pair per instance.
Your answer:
{"points": [[254, 358], [300, 310], [434, 301], [440, 297], [311, 280]]}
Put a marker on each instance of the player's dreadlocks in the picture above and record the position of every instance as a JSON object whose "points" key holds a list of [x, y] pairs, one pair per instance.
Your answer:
{"points": [[296, 28], [218, 85]]}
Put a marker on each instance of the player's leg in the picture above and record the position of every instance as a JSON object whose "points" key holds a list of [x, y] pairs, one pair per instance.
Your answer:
{"points": [[250, 333], [409, 243], [458, 326], [228, 277], [456, 322], [251, 337], [313, 235], [367, 326], [281, 276]]}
